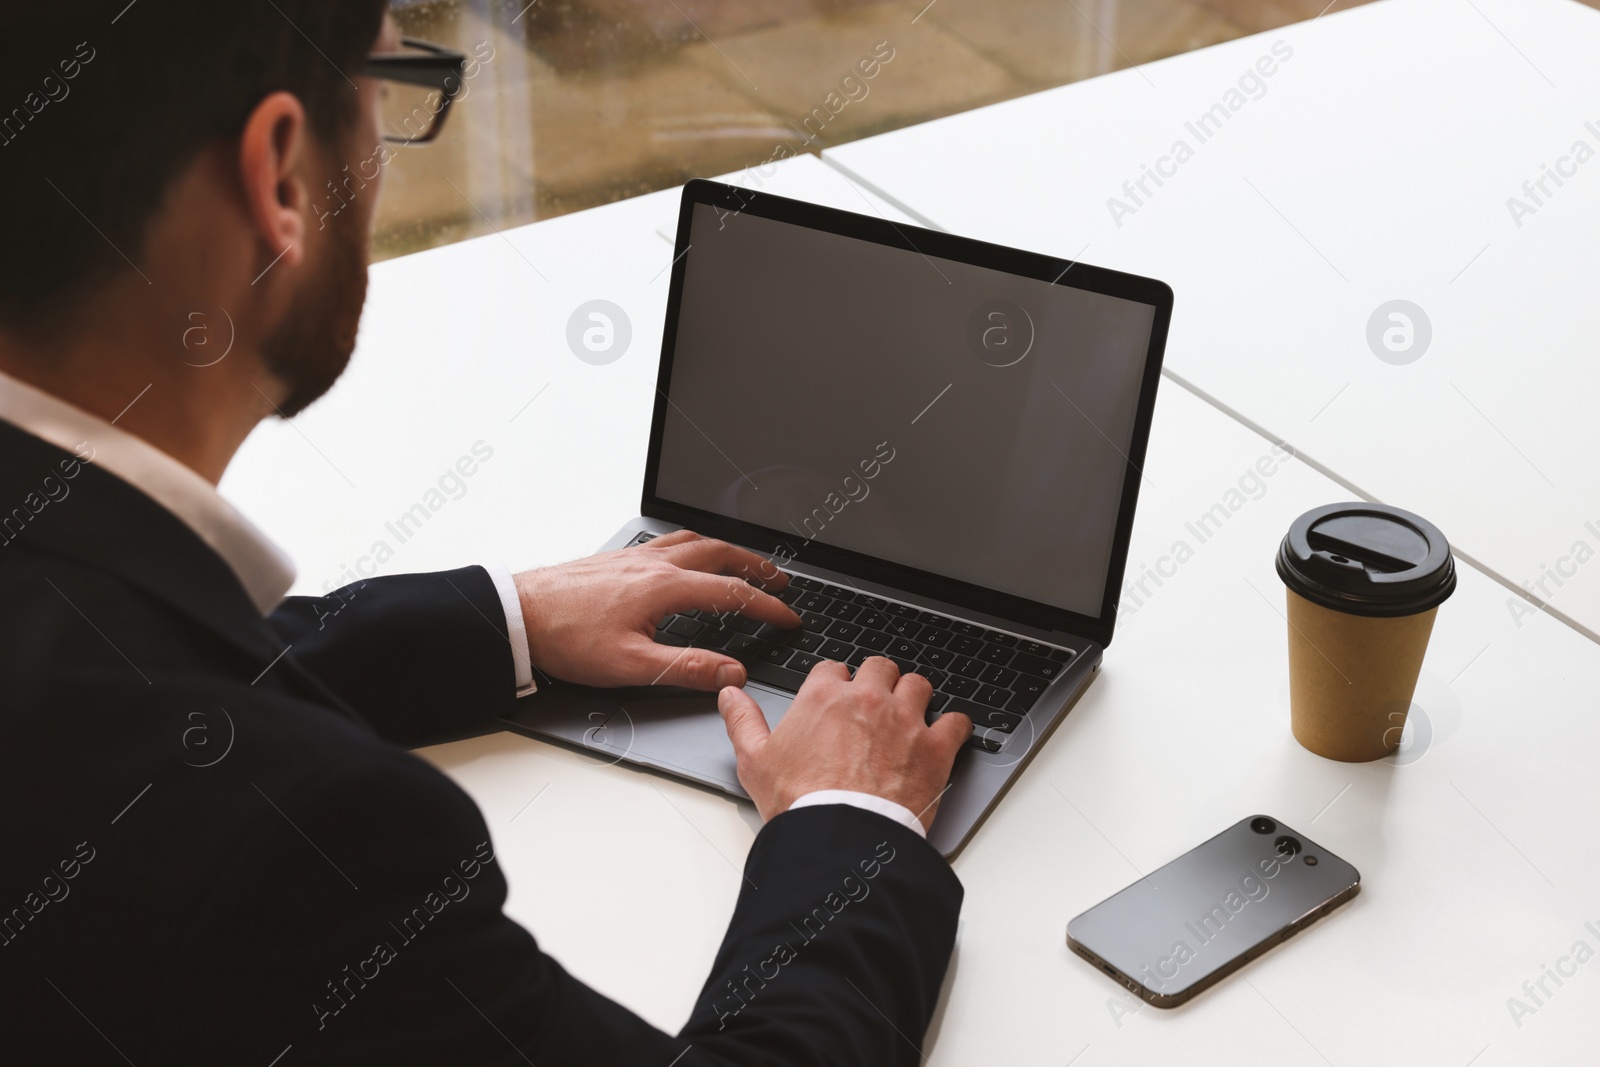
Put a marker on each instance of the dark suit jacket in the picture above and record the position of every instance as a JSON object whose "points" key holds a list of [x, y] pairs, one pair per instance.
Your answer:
{"points": [[218, 850]]}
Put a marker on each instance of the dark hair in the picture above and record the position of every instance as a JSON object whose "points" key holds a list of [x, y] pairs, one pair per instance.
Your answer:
{"points": [[103, 103]]}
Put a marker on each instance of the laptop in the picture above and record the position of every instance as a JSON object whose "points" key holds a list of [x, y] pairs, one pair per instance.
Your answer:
{"points": [[941, 440]]}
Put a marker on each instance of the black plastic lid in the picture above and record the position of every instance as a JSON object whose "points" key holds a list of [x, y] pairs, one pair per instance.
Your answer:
{"points": [[1367, 559]]}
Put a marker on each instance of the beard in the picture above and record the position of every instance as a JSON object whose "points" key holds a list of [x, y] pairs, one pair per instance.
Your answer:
{"points": [[311, 347]]}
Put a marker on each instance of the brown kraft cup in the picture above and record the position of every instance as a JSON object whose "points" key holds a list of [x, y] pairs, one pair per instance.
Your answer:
{"points": [[1363, 586]]}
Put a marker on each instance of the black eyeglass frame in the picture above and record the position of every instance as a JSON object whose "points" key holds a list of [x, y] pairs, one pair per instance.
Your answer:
{"points": [[432, 71]]}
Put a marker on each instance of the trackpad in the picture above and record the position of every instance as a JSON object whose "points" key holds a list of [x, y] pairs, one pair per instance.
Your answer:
{"points": [[675, 730]]}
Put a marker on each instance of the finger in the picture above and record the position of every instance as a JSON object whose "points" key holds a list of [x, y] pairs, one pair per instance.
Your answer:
{"points": [[721, 594], [747, 726], [878, 671], [667, 540], [949, 733], [719, 557], [913, 691], [691, 668], [827, 670]]}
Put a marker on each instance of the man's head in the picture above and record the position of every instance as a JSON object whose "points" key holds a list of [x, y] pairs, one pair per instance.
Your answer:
{"points": [[172, 158]]}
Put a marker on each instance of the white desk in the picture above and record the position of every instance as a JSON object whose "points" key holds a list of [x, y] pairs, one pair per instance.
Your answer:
{"points": [[1376, 165], [629, 878]]}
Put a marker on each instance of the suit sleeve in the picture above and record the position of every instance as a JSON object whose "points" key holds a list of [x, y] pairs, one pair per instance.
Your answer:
{"points": [[422, 657], [838, 945], [402, 955]]}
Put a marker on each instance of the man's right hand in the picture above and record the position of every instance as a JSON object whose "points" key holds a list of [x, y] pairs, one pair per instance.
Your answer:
{"points": [[865, 734]]}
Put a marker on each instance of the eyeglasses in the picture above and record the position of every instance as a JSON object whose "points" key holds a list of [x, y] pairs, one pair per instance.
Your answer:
{"points": [[425, 80]]}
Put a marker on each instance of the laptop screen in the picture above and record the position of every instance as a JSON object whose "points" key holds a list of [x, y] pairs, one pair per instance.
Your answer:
{"points": [[952, 418]]}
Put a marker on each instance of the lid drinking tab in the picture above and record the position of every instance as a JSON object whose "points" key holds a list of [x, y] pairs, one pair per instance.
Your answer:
{"points": [[1367, 559]]}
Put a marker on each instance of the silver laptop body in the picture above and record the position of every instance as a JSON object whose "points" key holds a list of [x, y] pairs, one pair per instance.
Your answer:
{"points": [[937, 438]]}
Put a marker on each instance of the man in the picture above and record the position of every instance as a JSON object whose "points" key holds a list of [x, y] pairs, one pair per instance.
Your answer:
{"points": [[218, 849]]}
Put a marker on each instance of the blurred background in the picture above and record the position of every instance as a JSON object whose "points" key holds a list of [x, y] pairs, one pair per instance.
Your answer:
{"points": [[576, 103]]}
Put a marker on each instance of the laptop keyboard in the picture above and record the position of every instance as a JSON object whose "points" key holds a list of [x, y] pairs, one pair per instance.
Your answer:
{"points": [[994, 678]]}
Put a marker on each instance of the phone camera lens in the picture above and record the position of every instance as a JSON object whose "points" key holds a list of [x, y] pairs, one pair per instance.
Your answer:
{"points": [[1262, 825], [1311, 861], [1287, 846]]}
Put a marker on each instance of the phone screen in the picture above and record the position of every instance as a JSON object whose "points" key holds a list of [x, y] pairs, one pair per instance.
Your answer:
{"points": [[1184, 926]]}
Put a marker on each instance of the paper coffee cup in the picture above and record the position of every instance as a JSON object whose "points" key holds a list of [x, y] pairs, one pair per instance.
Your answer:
{"points": [[1363, 585]]}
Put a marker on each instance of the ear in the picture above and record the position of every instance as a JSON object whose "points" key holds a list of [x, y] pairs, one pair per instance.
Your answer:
{"points": [[272, 148]]}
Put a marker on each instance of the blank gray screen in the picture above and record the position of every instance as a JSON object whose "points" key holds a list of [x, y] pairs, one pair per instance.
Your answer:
{"points": [[930, 413]]}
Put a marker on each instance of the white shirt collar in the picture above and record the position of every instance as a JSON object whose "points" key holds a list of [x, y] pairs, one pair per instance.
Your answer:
{"points": [[262, 567]]}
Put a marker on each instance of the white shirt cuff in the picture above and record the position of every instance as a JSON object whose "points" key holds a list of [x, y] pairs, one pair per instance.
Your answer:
{"points": [[898, 812], [516, 629]]}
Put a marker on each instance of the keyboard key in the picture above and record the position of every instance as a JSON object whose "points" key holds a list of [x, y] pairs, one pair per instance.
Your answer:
{"points": [[994, 696], [713, 638], [937, 657], [995, 719], [859, 656], [932, 635], [985, 719], [1000, 639], [961, 687], [970, 629], [902, 610], [995, 654], [1033, 648], [906, 666], [743, 646], [873, 619], [1036, 665], [963, 645], [986, 741], [839, 650], [1025, 693], [967, 668], [805, 640], [875, 602], [936, 705], [904, 628], [812, 602], [902, 648], [1060, 655], [805, 583], [1001, 676], [803, 662], [967, 708], [844, 631], [779, 677], [776, 655], [842, 609], [790, 593], [741, 624], [815, 622], [935, 678], [665, 638], [874, 639], [932, 619]]}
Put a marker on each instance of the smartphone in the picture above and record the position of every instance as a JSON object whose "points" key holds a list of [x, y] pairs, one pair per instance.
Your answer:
{"points": [[1184, 927]]}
